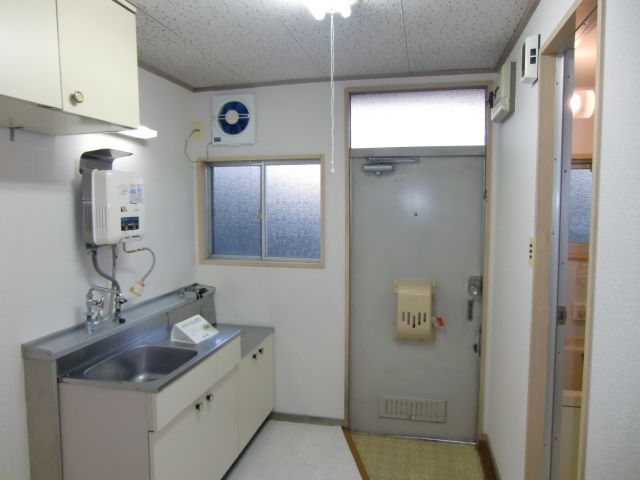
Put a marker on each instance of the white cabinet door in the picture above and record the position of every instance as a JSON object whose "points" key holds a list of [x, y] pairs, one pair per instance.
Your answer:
{"points": [[222, 425], [179, 450], [98, 59], [201, 443], [29, 54], [255, 390]]}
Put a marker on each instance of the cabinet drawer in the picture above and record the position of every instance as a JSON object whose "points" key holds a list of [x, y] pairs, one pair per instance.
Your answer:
{"points": [[166, 404]]}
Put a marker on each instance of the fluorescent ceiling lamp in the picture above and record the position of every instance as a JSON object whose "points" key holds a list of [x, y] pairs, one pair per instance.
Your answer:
{"points": [[320, 8], [583, 103], [143, 132]]}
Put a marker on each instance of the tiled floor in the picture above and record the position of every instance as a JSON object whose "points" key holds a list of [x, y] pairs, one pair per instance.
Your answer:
{"points": [[288, 451], [388, 458]]}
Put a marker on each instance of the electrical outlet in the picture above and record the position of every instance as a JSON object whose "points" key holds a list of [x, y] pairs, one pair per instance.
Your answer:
{"points": [[531, 251], [198, 129]]}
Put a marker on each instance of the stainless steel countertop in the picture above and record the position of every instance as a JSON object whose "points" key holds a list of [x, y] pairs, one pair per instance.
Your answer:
{"points": [[161, 336], [251, 336]]}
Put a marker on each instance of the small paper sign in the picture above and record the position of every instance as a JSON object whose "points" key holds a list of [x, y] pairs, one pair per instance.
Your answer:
{"points": [[193, 330]]}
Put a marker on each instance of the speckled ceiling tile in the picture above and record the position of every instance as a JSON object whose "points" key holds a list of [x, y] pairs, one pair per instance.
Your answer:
{"points": [[459, 34], [227, 42], [176, 57], [370, 42], [247, 37]]}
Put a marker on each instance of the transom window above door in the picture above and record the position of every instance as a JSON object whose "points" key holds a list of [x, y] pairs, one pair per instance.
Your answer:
{"points": [[429, 118]]}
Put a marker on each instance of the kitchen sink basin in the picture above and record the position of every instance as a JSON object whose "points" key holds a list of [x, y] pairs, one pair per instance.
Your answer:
{"points": [[143, 363]]}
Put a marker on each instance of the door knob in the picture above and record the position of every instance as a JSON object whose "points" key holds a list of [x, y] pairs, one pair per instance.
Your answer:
{"points": [[77, 97]]}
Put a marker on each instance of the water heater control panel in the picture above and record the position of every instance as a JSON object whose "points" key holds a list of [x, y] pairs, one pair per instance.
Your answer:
{"points": [[112, 207]]}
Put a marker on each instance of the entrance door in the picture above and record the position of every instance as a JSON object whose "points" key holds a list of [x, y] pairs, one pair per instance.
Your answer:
{"points": [[423, 221]]}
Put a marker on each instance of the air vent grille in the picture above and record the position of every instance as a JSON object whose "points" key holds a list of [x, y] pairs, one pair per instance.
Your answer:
{"points": [[414, 409], [101, 218]]}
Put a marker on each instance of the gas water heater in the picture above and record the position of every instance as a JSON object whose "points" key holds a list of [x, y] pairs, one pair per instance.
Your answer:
{"points": [[112, 201]]}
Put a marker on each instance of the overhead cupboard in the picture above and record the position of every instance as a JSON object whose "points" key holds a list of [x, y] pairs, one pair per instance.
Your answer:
{"points": [[68, 66]]}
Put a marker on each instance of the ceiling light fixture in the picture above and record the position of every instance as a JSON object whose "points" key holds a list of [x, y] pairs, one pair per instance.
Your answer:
{"points": [[142, 132], [320, 8]]}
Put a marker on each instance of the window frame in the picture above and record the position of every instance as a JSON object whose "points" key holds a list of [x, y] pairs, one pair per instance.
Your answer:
{"points": [[204, 212]]}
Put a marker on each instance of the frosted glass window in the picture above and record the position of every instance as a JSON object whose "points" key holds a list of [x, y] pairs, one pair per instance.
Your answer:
{"points": [[580, 205], [264, 211], [236, 211], [418, 119], [292, 196]]}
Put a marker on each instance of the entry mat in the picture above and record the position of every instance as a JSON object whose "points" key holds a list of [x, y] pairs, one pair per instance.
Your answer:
{"points": [[391, 458]]}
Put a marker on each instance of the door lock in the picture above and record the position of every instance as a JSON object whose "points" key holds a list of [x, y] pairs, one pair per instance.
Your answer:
{"points": [[474, 286], [474, 289]]}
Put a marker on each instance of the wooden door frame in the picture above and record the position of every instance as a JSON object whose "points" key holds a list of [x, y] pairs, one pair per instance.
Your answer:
{"points": [[541, 296], [486, 84]]}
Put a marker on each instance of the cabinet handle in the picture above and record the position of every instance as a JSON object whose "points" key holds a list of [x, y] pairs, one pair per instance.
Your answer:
{"points": [[199, 406], [209, 397], [77, 97], [255, 356], [261, 351]]}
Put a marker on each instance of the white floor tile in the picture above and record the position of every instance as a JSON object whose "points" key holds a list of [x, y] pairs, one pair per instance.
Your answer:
{"points": [[285, 450]]}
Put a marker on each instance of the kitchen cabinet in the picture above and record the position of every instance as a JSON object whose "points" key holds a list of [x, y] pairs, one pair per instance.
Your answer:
{"points": [[72, 66], [187, 430], [202, 440], [29, 54], [255, 389]]}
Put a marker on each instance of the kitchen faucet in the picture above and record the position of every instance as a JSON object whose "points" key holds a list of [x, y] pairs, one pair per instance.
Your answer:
{"points": [[93, 317]]}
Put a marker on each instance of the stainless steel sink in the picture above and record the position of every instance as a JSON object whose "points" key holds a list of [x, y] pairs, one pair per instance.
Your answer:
{"points": [[143, 363]]}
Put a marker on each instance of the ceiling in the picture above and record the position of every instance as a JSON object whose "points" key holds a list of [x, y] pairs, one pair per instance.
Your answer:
{"points": [[228, 43]]}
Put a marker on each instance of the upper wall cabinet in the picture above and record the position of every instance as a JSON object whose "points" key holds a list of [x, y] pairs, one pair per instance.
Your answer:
{"points": [[68, 66]]}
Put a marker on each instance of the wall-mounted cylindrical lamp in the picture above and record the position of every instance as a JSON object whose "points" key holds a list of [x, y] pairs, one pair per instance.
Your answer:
{"points": [[583, 103]]}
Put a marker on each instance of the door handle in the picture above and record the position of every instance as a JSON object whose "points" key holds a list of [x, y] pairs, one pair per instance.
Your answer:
{"points": [[474, 289], [474, 286]]}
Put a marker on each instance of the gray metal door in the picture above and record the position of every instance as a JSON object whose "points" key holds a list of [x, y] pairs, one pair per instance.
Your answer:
{"points": [[422, 222]]}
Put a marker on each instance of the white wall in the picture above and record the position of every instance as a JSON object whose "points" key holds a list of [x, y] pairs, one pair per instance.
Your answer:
{"points": [[582, 141], [306, 306], [44, 270], [613, 433], [513, 202]]}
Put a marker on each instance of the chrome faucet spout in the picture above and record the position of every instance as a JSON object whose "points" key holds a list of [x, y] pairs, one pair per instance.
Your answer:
{"points": [[95, 307]]}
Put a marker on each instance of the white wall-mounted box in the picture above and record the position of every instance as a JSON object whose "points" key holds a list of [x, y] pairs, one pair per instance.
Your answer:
{"points": [[529, 65], [504, 93]]}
